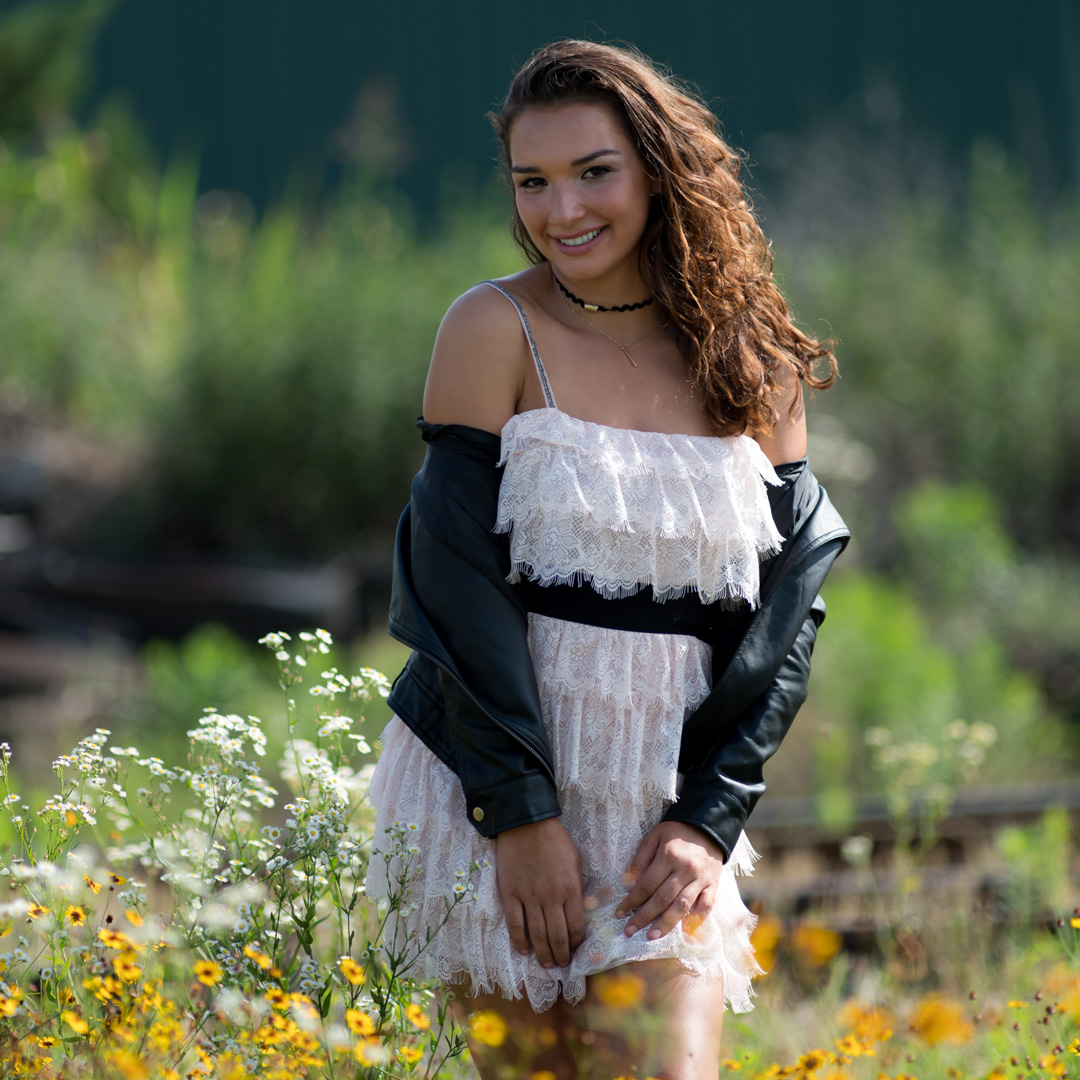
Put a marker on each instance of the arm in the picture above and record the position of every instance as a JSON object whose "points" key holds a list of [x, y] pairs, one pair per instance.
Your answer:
{"points": [[477, 378], [478, 366], [787, 440]]}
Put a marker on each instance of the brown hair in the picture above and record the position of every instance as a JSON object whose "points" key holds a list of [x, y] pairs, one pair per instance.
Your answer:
{"points": [[703, 253]]}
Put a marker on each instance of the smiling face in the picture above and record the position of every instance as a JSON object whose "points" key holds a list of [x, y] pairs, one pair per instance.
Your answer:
{"points": [[582, 193]]}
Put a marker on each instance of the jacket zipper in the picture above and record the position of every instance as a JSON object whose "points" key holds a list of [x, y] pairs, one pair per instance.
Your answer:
{"points": [[494, 719]]}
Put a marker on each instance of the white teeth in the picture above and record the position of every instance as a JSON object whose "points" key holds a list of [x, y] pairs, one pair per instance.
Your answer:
{"points": [[581, 239]]}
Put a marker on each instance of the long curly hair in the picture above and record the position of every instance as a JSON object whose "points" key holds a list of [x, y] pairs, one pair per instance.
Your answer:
{"points": [[703, 253]]}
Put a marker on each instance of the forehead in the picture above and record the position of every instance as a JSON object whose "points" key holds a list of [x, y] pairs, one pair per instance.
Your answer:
{"points": [[566, 132]]}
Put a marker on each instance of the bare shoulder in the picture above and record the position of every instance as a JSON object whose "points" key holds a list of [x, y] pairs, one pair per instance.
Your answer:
{"points": [[478, 365], [787, 440]]}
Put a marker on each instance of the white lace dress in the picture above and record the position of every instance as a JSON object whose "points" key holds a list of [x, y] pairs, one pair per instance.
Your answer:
{"points": [[620, 510]]}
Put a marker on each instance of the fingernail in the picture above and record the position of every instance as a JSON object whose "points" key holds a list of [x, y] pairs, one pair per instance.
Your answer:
{"points": [[523, 952], [548, 964], [619, 913], [655, 932], [631, 929]]}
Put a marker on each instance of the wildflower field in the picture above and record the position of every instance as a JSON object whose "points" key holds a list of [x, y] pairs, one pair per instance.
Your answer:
{"points": [[165, 921]]}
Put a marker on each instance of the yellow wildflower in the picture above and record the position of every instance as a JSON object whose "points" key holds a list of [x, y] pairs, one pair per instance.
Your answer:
{"points": [[359, 1022], [8, 1005], [116, 939], [36, 911], [1064, 985], [128, 1065], [488, 1027], [351, 970], [93, 886], [259, 958], [133, 917], [765, 939], [731, 1065], [938, 1019], [75, 915], [276, 998], [75, 1022], [208, 972], [302, 1003], [415, 1015], [814, 944], [1074, 922], [125, 967], [620, 991], [410, 1054], [851, 1046], [869, 1023], [543, 1074], [1050, 1063]]}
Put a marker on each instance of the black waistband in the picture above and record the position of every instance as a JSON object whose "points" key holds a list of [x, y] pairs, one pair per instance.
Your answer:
{"points": [[581, 603]]}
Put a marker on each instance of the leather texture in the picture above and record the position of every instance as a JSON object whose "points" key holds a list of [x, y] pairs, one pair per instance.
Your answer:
{"points": [[469, 691]]}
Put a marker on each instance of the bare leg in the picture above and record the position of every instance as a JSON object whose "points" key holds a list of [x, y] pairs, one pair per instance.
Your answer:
{"points": [[654, 1018], [534, 1042], [651, 1018]]}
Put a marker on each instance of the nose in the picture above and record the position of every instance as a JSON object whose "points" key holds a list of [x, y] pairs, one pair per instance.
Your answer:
{"points": [[566, 205]]}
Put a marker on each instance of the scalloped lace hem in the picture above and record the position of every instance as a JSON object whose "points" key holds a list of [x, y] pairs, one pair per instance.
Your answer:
{"points": [[411, 786]]}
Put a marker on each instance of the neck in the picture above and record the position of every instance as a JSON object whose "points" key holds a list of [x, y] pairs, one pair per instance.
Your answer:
{"points": [[612, 290]]}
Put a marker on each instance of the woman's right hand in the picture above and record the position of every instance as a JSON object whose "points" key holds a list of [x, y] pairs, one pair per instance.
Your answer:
{"points": [[539, 878]]}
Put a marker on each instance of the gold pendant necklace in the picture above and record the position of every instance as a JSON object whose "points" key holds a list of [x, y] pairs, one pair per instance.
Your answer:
{"points": [[625, 348]]}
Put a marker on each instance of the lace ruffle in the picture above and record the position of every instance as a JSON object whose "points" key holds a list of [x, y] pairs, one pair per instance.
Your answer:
{"points": [[412, 785], [628, 509], [643, 683]]}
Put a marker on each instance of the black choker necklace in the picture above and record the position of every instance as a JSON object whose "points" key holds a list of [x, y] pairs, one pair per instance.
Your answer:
{"points": [[596, 307]]}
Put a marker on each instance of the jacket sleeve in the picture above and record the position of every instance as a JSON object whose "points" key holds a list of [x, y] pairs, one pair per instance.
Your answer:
{"points": [[728, 739], [719, 794], [453, 605]]}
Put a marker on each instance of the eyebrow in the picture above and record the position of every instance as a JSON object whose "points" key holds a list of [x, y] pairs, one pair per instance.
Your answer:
{"points": [[576, 163]]}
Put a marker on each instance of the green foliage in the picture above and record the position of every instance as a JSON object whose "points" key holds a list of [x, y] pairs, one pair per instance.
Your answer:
{"points": [[973, 579], [211, 666], [958, 330], [880, 664], [289, 425], [44, 61], [1037, 866]]}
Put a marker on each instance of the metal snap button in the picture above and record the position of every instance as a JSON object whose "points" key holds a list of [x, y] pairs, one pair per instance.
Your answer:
{"points": [[478, 814]]}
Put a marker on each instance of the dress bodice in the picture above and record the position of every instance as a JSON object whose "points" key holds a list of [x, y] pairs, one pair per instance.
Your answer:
{"points": [[622, 510]]}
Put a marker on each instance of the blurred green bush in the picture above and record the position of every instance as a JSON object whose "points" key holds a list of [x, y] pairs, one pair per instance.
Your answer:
{"points": [[959, 326]]}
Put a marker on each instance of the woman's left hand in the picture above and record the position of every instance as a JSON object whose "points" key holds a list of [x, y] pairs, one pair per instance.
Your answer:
{"points": [[674, 877]]}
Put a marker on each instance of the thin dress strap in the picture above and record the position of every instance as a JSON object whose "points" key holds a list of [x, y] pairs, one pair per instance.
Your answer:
{"points": [[549, 397]]}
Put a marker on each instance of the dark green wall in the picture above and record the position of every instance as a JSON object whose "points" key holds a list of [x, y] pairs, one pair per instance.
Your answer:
{"points": [[257, 84]]}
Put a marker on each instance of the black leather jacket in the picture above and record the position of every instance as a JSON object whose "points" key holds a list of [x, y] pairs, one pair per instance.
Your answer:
{"points": [[469, 690]]}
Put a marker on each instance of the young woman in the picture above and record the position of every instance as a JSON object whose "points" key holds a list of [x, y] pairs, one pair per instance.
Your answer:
{"points": [[608, 574]]}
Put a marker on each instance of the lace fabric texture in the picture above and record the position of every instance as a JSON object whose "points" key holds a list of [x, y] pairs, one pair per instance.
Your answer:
{"points": [[627, 509], [613, 701]]}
